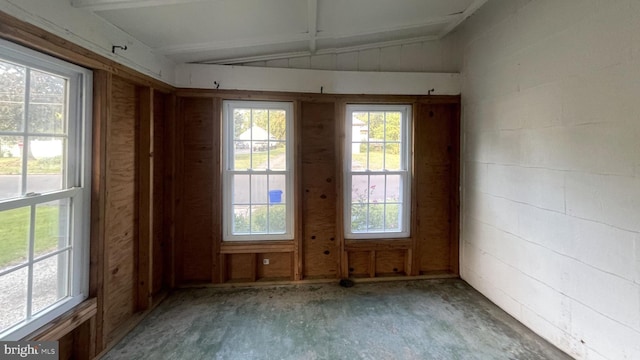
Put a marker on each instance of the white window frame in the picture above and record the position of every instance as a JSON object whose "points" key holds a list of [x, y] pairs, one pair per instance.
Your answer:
{"points": [[76, 187], [228, 171], [405, 171]]}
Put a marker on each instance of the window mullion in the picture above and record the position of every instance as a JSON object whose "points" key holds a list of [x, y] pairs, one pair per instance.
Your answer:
{"points": [[32, 222]]}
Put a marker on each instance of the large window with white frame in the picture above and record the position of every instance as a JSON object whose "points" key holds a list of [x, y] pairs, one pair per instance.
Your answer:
{"points": [[258, 170], [44, 188], [377, 171]]}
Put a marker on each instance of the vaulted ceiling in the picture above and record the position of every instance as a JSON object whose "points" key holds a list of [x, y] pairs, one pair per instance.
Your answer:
{"points": [[235, 31]]}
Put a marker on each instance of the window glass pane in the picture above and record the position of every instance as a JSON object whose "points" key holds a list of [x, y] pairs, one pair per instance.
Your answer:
{"points": [[259, 189], [376, 217], [259, 155], [10, 166], [358, 217], [392, 217], [277, 218], [12, 83], [360, 188], [259, 221], [51, 226], [277, 155], [241, 194], [45, 164], [242, 124], [13, 297], [241, 219], [50, 281], [47, 103], [376, 156], [14, 236], [277, 189], [242, 155], [359, 156], [393, 130], [361, 120], [392, 157], [376, 126], [376, 188], [394, 183], [278, 124]]}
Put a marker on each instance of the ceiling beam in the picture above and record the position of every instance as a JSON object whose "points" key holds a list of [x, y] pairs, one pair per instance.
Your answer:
{"points": [[433, 21], [104, 5], [232, 44], [462, 17], [289, 38], [312, 16], [331, 51]]}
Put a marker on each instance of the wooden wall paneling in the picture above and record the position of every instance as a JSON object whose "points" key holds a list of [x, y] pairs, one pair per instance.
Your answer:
{"points": [[359, 264], [320, 249], [159, 161], [298, 257], [178, 188], [390, 263], [279, 267], [169, 195], [198, 170], [101, 118], [145, 197], [455, 192], [413, 255], [433, 143], [120, 213], [372, 263], [240, 267], [343, 268]]}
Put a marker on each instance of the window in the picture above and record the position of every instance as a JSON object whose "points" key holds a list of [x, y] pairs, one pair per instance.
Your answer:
{"points": [[258, 176], [44, 188], [377, 171]]}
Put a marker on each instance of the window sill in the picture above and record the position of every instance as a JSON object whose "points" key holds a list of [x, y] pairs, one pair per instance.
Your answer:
{"points": [[375, 244], [66, 322]]}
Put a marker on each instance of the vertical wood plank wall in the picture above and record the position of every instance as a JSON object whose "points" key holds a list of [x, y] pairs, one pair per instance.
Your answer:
{"points": [[121, 207], [202, 257], [320, 251]]}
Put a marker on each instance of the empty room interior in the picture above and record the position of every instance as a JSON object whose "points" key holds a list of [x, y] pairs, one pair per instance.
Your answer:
{"points": [[320, 179]]}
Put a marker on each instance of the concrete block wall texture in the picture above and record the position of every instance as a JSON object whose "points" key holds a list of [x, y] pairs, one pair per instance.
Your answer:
{"points": [[551, 179]]}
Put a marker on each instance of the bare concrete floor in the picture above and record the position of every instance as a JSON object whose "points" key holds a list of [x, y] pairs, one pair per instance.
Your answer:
{"points": [[425, 319]]}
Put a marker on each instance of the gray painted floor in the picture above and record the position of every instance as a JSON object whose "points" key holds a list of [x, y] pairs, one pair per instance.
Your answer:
{"points": [[422, 319]]}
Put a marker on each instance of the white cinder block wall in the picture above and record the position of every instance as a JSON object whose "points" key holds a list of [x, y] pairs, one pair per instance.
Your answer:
{"points": [[551, 188]]}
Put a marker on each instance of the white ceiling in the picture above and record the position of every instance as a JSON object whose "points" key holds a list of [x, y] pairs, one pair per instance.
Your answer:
{"points": [[235, 31]]}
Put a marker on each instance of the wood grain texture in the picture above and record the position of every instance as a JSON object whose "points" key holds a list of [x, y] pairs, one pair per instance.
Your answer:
{"points": [[102, 82], [389, 263], [359, 263], [144, 243], [240, 267], [321, 256], [158, 156], [279, 266], [435, 130], [199, 163], [121, 209]]}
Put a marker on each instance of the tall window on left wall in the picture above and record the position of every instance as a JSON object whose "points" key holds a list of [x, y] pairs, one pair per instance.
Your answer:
{"points": [[44, 188]]}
